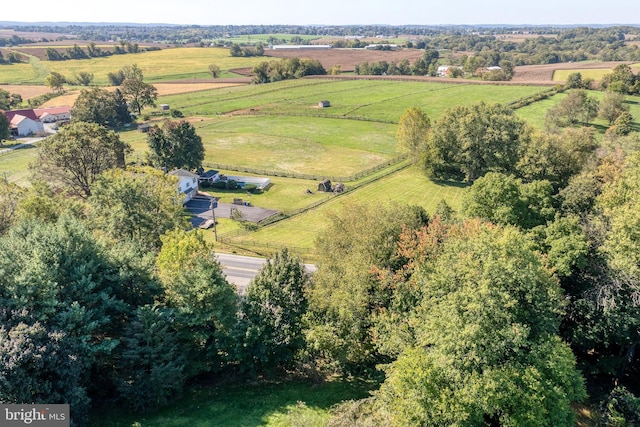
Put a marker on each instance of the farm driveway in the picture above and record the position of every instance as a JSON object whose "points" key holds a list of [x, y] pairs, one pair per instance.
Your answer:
{"points": [[199, 208]]}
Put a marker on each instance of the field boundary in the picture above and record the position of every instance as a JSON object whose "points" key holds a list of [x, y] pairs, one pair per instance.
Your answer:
{"points": [[227, 238], [312, 177]]}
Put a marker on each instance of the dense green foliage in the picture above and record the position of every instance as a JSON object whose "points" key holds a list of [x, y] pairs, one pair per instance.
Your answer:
{"points": [[486, 348], [273, 311], [99, 106], [77, 155], [469, 141], [175, 145], [286, 69]]}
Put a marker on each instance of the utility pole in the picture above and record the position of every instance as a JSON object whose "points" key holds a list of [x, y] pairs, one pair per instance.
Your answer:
{"points": [[212, 206]]}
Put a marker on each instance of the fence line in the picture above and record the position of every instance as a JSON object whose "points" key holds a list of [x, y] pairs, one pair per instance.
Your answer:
{"points": [[226, 237], [314, 177]]}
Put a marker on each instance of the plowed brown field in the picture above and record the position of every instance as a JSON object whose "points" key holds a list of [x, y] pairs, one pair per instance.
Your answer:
{"points": [[348, 58]]}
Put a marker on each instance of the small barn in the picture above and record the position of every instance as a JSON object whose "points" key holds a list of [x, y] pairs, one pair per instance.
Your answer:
{"points": [[164, 107], [144, 128], [324, 104], [325, 186]]}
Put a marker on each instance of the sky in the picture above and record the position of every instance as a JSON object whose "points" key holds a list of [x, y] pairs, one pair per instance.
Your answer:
{"points": [[330, 12]]}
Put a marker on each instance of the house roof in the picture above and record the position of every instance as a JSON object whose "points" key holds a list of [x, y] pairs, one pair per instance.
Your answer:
{"points": [[19, 118], [25, 113], [52, 110], [184, 173], [208, 174]]}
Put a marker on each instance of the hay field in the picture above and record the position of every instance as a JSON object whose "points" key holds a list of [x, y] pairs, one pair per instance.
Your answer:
{"points": [[592, 73], [157, 66], [164, 89], [26, 91], [547, 73]]}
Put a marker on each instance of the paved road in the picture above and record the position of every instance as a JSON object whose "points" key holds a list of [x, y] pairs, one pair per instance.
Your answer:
{"points": [[241, 269], [23, 143]]}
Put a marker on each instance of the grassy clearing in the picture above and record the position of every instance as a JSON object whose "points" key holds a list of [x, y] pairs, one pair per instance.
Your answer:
{"points": [[534, 114], [284, 404], [587, 73], [157, 66], [372, 100], [408, 186], [15, 165]]}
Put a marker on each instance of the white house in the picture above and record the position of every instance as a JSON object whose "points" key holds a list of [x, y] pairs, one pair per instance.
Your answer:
{"points": [[24, 122], [187, 183], [442, 70]]}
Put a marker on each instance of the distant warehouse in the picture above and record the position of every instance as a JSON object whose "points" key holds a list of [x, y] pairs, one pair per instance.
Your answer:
{"points": [[301, 46]]}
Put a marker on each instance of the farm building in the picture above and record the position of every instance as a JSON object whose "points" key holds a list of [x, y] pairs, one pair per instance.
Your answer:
{"points": [[300, 46], [187, 183], [382, 47], [53, 114], [164, 107], [325, 186], [324, 104], [24, 122], [210, 176], [144, 128], [445, 70]]}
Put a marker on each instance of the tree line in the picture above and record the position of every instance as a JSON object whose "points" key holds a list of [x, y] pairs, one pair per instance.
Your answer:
{"points": [[92, 51]]}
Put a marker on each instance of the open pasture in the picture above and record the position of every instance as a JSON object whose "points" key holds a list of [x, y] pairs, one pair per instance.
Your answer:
{"points": [[408, 186], [376, 100], [157, 66], [588, 73], [304, 145], [164, 89]]}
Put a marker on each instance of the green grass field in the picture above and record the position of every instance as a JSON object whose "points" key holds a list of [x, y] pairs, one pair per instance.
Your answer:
{"points": [[157, 66], [283, 404], [409, 186], [587, 73], [279, 128], [534, 114], [355, 99]]}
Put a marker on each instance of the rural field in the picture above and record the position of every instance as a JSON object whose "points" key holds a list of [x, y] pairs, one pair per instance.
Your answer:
{"points": [[278, 129]]}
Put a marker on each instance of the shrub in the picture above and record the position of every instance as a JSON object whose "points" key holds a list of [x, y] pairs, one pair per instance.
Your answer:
{"points": [[231, 184], [176, 114], [251, 188]]}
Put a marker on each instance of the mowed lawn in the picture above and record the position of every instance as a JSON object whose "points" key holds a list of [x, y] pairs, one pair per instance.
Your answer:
{"points": [[281, 404], [157, 66], [407, 187]]}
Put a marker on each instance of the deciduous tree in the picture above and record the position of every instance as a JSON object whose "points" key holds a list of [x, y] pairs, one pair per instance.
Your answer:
{"points": [[273, 313], [137, 204], [486, 350], [102, 107], [175, 145], [76, 155], [55, 81], [412, 131], [214, 70], [139, 94], [469, 141], [204, 302]]}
